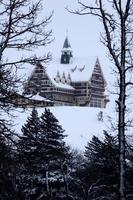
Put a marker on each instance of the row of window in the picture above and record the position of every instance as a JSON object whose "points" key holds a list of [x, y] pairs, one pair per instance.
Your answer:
{"points": [[96, 103], [63, 98], [83, 98], [63, 104], [83, 84]]}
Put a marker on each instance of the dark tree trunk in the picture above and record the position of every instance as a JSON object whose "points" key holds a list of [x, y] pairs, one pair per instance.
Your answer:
{"points": [[118, 38]]}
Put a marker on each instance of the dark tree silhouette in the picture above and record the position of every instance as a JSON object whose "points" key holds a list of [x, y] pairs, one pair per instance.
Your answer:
{"points": [[55, 147], [7, 164], [41, 153]]}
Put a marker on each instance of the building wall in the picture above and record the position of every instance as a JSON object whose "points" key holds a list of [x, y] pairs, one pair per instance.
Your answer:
{"points": [[85, 93], [82, 92], [38, 82], [60, 97]]}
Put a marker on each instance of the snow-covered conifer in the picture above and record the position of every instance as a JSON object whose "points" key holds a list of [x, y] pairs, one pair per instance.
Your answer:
{"points": [[29, 155], [102, 167], [28, 142], [55, 149]]}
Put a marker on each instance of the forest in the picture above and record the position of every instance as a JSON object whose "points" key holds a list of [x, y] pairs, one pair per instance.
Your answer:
{"points": [[38, 164]]}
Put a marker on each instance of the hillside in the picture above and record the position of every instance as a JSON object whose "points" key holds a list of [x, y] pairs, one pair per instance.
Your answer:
{"points": [[79, 123]]}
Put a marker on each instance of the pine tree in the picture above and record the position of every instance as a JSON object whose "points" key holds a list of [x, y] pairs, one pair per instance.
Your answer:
{"points": [[72, 165], [41, 152], [55, 149], [55, 145], [104, 152], [101, 170], [29, 140], [29, 155]]}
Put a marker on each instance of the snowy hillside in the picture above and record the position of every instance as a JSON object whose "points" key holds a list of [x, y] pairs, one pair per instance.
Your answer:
{"points": [[79, 123]]}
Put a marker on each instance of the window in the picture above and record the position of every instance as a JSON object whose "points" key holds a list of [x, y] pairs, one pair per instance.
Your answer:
{"points": [[96, 102]]}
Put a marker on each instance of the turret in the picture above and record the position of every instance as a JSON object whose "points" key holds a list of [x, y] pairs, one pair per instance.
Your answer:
{"points": [[66, 56], [63, 78], [57, 78], [69, 79]]}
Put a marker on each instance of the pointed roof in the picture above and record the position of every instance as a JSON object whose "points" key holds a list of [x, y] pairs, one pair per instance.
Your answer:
{"points": [[98, 70], [66, 43]]}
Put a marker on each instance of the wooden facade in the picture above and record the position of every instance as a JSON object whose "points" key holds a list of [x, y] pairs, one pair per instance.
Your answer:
{"points": [[39, 82], [83, 93]]}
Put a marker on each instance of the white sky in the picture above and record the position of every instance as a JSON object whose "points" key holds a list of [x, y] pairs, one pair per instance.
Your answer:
{"points": [[83, 31], [83, 34]]}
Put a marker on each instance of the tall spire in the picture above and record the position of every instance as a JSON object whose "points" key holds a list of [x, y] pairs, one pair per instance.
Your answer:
{"points": [[66, 43], [66, 55]]}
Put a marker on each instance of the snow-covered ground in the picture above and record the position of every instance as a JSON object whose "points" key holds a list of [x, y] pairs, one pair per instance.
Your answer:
{"points": [[79, 123]]}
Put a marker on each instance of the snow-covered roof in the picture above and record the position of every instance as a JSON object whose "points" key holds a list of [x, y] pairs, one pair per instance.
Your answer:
{"points": [[37, 97], [27, 70], [61, 85], [80, 69]]}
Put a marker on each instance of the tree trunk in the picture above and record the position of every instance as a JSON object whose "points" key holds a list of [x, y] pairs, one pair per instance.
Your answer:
{"points": [[66, 185], [47, 183], [121, 119], [121, 134]]}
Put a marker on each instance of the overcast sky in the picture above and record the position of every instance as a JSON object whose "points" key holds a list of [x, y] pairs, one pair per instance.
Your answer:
{"points": [[83, 31]]}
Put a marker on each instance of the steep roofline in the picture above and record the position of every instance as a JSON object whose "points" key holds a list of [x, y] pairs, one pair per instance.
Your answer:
{"points": [[98, 63]]}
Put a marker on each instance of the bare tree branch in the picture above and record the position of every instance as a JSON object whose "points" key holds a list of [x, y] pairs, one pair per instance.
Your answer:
{"points": [[20, 30], [118, 38]]}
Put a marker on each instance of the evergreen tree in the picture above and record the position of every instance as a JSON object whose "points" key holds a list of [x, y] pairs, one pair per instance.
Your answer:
{"points": [[28, 142], [103, 153], [72, 165], [100, 173], [54, 138], [29, 156], [42, 152], [7, 165], [55, 150], [48, 169]]}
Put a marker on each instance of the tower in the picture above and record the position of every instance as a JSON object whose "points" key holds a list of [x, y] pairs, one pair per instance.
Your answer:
{"points": [[66, 55]]}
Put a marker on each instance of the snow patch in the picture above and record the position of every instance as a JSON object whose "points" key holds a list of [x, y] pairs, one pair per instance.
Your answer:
{"points": [[79, 123]]}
